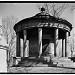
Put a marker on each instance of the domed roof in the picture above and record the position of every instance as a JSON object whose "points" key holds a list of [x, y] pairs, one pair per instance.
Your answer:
{"points": [[42, 17]]}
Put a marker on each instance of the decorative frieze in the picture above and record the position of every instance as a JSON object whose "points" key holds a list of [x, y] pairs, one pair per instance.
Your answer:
{"points": [[31, 25]]}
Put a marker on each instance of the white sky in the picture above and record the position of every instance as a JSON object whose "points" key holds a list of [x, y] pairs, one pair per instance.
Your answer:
{"points": [[20, 10], [24, 10]]}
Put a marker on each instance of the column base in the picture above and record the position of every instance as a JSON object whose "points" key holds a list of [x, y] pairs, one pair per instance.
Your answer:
{"points": [[16, 60]]}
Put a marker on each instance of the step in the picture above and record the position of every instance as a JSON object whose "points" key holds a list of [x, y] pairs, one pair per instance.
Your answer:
{"points": [[34, 65], [55, 64], [42, 65], [65, 63], [72, 65], [61, 60], [27, 62]]}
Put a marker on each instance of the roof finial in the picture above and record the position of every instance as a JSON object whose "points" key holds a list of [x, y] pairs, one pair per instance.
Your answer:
{"points": [[42, 9]]}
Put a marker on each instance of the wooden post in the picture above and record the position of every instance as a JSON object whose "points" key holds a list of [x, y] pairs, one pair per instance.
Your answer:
{"points": [[40, 41], [18, 45], [56, 42], [66, 43]]}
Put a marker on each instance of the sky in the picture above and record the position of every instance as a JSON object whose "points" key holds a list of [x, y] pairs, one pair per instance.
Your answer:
{"points": [[24, 10]]}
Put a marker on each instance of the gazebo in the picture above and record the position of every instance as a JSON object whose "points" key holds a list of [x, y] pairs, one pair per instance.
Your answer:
{"points": [[40, 34]]}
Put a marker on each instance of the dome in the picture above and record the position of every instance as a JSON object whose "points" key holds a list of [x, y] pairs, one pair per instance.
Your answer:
{"points": [[42, 19]]}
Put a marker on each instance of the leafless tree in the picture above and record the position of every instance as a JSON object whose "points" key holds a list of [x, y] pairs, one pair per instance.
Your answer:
{"points": [[72, 44], [56, 9], [9, 33]]}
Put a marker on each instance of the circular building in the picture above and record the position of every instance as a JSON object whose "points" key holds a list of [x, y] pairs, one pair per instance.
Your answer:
{"points": [[41, 34]]}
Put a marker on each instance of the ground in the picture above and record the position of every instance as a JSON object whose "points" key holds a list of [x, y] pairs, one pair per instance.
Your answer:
{"points": [[41, 70]]}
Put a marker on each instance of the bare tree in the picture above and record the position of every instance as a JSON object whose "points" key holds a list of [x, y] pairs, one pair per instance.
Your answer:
{"points": [[9, 34], [55, 9], [72, 43], [72, 46]]}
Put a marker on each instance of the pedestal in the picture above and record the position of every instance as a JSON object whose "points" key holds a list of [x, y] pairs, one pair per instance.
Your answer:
{"points": [[16, 60]]}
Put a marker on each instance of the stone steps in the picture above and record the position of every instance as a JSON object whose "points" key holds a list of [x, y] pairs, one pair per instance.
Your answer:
{"points": [[63, 62], [36, 62], [32, 62], [70, 65], [41, 65]]}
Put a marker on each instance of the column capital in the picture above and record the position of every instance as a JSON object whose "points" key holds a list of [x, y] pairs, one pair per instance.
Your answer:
{"points": [[24, 32]]}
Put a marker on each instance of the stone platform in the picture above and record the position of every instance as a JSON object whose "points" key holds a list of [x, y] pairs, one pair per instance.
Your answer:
{"points": [[41, 70], [44, 62], [32, 61]]}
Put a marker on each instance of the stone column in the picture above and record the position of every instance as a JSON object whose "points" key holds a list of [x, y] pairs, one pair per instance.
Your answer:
{"points": [[21, 47], [55, 42], [66, 43], [24, 44], [40, 41], [27, 49], [17, 45], [63, 47]]}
